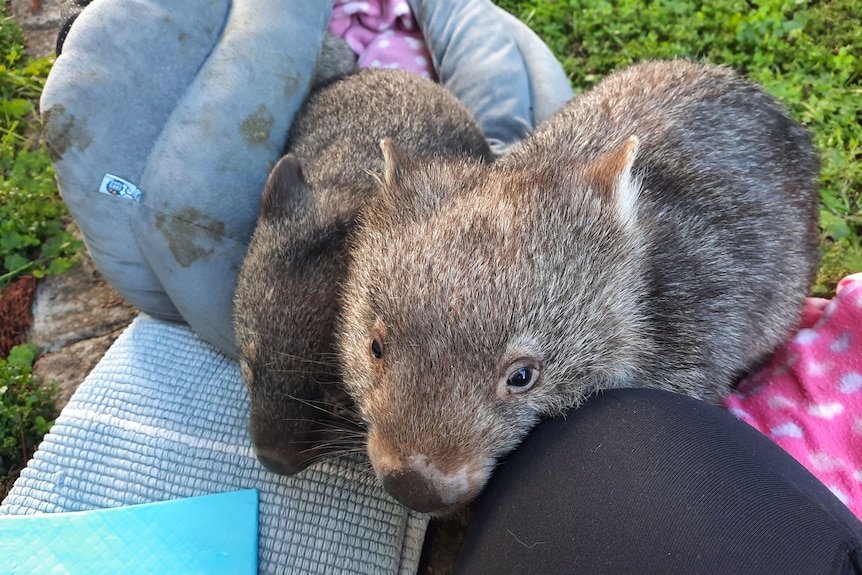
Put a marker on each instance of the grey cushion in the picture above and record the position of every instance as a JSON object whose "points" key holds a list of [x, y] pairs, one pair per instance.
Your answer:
{"points": [[190, 101]]}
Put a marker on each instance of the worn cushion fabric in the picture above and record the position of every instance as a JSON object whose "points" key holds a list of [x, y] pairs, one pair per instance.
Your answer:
{"points": [[177, 110]]}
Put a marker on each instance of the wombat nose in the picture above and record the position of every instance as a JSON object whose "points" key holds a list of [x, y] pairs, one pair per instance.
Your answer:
{"points": [[413, 490], [280, 465]]}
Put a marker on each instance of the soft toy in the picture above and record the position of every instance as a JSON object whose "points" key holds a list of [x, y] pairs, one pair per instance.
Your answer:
{"points": [[164, 119]]}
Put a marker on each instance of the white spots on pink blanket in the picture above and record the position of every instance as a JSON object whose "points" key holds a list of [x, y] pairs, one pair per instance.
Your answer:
{"points": [[781, 402], [850, 383], [827, 410], [788, 429], [826, 462], [808, 399], [414, 43], [401, 9], [842, 343], [842, 497], [818, 368], [806, 337], [383, 34], [354, 7], [741, 414]]}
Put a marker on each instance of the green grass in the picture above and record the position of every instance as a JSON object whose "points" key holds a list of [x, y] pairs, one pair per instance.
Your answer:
{"points": [[807, 53], [33, 240], [26, 412]]}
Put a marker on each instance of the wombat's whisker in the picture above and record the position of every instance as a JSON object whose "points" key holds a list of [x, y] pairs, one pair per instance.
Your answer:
{"points": [[303, 360], [316, 356], [320, 406], [346, 452], [337, 446], [317, 444], [346, 431], [304, 373]]}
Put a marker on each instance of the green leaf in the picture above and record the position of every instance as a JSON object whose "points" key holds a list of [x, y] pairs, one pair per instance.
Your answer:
{"points": [[834, 226], [23, 355], [17, 108], [15, 261]]}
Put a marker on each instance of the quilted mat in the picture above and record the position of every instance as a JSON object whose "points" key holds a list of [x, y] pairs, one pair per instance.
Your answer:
{"points": [[163, 416]]}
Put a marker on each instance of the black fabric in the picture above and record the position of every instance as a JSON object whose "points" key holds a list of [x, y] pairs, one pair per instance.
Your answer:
{"points": [[69, 11], [643, 481]]}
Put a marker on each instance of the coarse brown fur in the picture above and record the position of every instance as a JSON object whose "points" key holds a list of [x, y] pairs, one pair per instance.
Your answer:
{"points": [[286, 299], [658, 231]]}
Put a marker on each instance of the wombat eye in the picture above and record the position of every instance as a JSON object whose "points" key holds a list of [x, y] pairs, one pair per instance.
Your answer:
{"points": [[376, 349], [520, 378]]}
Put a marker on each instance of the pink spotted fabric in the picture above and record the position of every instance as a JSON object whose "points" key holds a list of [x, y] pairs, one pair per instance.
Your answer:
{"points": [[808, 399], [383, 34]]}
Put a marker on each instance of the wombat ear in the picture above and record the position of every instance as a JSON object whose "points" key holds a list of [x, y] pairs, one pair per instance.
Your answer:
{"points": [[612, 174], [396, 162], [285, 189]]}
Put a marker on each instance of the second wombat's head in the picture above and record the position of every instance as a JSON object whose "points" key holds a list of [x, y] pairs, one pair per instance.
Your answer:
{"points": [[284, 313], [479, 299]]}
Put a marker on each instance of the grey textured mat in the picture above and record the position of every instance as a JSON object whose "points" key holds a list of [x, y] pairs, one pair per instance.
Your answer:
{"points": [[163, 416]]}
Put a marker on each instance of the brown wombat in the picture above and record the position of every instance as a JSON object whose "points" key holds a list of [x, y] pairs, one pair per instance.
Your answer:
{"points": [[286, 297], [658, 231]]}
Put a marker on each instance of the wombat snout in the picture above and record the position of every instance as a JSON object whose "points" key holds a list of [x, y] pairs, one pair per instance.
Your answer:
{"points": [[303, 431], [413, 490], [281, 463], [417, 483]]}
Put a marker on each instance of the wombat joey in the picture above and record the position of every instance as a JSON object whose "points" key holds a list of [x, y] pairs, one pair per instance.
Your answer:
{"points": [[658, 231], [286, 297]]}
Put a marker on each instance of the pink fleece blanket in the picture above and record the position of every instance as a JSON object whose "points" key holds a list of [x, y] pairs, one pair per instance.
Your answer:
{"points": [[808, 399], [383, 34]]}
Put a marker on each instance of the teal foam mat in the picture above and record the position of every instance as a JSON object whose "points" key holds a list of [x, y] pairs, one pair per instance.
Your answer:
{"points": [[206, 535]]}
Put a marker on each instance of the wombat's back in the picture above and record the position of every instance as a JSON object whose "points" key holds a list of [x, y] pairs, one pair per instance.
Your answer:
{"points": [[727, 209], [337, 134]]}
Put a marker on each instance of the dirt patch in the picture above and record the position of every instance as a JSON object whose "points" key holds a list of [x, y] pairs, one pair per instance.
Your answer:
{"points": [[16, 316]]}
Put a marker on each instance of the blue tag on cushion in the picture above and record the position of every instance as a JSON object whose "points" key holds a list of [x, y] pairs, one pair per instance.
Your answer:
{"points": [[117, 186]]}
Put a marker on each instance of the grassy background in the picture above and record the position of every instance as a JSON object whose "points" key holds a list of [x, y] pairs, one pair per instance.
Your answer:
{"points": [[807, 53], [33, 219], [33, 240]]}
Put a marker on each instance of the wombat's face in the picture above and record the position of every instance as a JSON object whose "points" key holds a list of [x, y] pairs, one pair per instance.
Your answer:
{"points": [[285, 308], [469, 315]]}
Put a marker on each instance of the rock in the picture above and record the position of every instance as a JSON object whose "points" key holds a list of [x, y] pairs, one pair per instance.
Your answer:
{"points": [[68, 367], [40, 22], [76, 318]]}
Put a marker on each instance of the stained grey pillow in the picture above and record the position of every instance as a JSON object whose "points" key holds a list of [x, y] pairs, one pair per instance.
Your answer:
{"points": [[164, 118]]}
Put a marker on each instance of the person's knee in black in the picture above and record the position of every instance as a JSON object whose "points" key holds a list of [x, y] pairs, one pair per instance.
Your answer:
{"points": [[645, 481]]}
